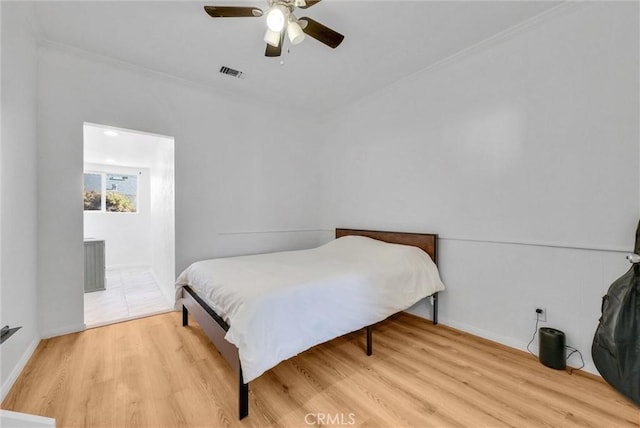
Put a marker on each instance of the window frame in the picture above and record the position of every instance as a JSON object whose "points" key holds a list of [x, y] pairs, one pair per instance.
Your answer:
{"points": [[103, 191]]}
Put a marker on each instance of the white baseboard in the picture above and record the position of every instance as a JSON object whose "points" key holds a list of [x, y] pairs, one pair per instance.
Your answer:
{"points": [[504, 340], [6, 386], [63, 330], [9, 419]]}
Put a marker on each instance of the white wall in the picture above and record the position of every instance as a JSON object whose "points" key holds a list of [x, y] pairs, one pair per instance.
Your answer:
{"points": [[127, 236], [237, 171], [516, 153], [18, 278], [162, 222]]}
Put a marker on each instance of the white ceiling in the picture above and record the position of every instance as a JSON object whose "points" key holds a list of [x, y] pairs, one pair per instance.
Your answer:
{"points": [[127, 148], [384, 42]]}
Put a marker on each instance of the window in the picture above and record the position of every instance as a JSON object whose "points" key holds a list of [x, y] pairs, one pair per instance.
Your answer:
{"points": [[92, 192], [122, 193], [110, 192]]}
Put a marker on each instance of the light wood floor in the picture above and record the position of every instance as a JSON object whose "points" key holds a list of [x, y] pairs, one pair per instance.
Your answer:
{"points": [[152, 372]]}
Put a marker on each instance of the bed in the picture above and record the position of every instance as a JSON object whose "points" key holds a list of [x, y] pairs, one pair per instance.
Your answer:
{"points": [[263, 309]]}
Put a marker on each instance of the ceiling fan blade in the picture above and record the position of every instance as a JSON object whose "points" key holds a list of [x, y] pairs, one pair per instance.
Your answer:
{"points": [[320, 32], [232, 11], [309, 3], [275, 52]]}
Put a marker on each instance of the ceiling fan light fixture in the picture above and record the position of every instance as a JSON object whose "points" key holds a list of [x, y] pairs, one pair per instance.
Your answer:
{"points": [[272, 37], [276, 18], [295, 33], [280, 18]]}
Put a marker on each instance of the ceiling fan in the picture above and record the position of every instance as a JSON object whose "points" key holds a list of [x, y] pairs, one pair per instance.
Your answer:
{"points": [[280, 20]]}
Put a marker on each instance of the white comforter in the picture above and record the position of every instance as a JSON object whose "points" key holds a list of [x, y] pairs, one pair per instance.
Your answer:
{"points": [[280, 304]]}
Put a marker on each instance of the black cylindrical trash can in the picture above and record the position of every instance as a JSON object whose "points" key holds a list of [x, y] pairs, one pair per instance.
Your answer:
{"points": [[552, 348]]}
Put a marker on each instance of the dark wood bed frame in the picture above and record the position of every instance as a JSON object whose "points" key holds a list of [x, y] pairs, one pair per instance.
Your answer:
{"points": [[215, 327]]}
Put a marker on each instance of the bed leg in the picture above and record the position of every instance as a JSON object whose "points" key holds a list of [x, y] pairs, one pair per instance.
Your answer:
{"points": [[185, 316], [435, 308], [243, 393], [369, 341]]}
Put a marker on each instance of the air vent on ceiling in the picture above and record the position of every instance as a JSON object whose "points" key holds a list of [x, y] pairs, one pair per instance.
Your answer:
{"points": [[231, 72]]}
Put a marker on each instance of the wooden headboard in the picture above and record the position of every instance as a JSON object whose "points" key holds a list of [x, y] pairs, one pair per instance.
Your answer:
{"points": [[428, 242]]}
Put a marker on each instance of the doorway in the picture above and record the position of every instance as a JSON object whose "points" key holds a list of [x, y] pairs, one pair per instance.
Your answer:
{"points": [[129, 224]]}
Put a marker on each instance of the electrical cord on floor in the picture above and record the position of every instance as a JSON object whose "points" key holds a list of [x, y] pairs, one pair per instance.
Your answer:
{"points": [[534, 335], [573, 351]]}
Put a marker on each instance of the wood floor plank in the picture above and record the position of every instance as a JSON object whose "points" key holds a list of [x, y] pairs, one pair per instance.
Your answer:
{"points": [[536, 388], [152, 372]]}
